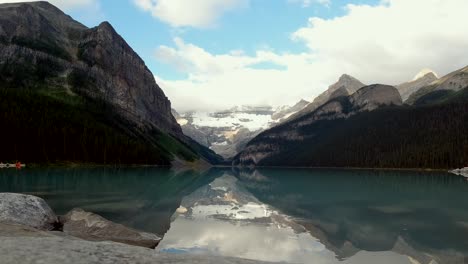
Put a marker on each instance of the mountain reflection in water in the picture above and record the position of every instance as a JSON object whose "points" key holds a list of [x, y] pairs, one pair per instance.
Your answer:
{"points": [[315, 216], [325, 216]]}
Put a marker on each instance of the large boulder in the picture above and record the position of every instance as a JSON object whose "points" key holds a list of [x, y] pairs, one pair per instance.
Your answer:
{"points": [[89, 226], [26, 210]]}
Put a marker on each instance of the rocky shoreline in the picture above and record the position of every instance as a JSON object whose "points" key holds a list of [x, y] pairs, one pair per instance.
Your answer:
{"points": [[31, 232]]}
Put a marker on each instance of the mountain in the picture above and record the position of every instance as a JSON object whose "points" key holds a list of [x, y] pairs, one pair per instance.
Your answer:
{"points": [[452, 82], [227, 132], [271, 142], [345, 85], [284, 112], [370, 128], [422, 79], [92, 88]]}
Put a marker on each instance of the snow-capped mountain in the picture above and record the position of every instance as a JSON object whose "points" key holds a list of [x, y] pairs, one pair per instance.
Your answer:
{"points": [[228, 131]]}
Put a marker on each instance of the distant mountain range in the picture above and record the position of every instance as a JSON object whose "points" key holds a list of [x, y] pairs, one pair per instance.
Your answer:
{"points": [[373, 127], [69, 93], [227, 132], [75, 94]]}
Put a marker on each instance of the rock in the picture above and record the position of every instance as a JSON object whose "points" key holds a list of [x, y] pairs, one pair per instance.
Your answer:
{"points": [[407, 88], [27, 245], [89, 226], [54, 250], [26, 210], [374, 96], [15, 230], [345, 84]]}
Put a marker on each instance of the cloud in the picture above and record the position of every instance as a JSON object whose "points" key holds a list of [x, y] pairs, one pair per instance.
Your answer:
{"points": [[222, 81], [391, 41], [63, 4], [387, 43], [199, 13]]}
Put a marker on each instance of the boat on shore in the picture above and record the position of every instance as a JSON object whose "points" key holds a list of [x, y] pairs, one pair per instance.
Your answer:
{"points": [[17, 165], [462, 172]]}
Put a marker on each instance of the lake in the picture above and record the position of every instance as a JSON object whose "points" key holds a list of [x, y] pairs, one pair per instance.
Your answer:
{"points": [[291, 215]]}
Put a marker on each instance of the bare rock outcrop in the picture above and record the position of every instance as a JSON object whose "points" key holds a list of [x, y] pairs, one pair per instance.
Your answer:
{"points": [[89, 226], [26, 210], [374, 96]]}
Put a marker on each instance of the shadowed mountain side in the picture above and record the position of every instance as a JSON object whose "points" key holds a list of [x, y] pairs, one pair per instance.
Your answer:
{"points": [[86, 84]]}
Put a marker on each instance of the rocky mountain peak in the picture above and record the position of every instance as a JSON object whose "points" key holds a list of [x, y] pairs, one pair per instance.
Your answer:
{"points": [[425, 73], [93, 62], [374, 96], [424, 78], [346, 77], [430, 75], [347, 81], [106, 26], [347, 84]]}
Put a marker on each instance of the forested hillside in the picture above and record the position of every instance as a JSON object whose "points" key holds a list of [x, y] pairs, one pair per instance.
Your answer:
{"points": [[41, 129], [431, 135]]}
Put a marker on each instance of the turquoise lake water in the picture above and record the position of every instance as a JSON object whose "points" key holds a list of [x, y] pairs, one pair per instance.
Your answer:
{"points": [[290, 215]]}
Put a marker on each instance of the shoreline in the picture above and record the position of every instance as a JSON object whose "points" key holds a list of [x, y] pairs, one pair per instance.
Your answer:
{"points": [[93, 165], [37, 235], [337, 168]]}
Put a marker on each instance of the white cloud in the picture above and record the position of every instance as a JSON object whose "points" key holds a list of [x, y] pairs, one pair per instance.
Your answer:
{"points": [[63, 4], [222, 81], [387, 43], [199, 13], [392, 41]]}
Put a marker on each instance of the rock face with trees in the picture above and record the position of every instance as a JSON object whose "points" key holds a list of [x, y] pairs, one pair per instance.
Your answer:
{"points": [[372, 128], [87, 88]]}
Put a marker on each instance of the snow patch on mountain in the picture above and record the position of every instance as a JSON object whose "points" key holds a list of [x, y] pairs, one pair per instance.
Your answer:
{"points": [[423, 72]]}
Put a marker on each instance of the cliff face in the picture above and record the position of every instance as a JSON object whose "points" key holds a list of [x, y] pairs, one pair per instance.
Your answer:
{"points": [[278, 140], [41, 47], [92, 90]]}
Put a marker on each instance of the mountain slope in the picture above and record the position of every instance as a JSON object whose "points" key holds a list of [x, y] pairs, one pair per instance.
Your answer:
{"points": [[284, 137], [284, 112], [345, 85], [452, 82], [45, 52], [408, 88], [368, 132]]}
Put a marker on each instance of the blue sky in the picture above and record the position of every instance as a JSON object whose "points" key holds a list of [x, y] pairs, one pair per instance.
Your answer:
{"points": [[215, 54], [263, 23]]}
